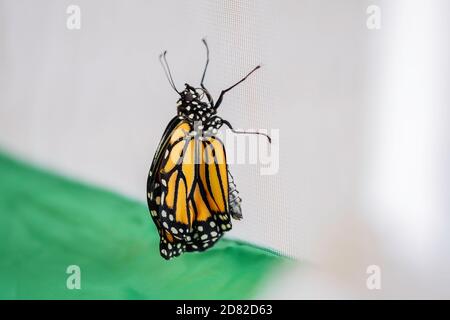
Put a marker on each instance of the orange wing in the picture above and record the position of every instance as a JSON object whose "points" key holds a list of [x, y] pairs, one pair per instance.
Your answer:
{"points": [[188, 194]]}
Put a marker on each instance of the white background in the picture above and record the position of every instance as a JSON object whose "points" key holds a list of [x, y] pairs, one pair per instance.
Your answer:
{"points": [[362, 117]]}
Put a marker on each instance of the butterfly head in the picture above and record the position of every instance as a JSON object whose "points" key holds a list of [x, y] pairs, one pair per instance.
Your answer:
{"points": [[195, 104]]}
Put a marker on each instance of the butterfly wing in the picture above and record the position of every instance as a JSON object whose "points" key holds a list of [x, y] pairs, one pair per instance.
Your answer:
{"points": [[210, 197], [188, 190]]}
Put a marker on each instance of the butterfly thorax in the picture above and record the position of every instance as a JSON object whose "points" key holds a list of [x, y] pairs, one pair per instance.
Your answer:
{"points": [[195, 104]]}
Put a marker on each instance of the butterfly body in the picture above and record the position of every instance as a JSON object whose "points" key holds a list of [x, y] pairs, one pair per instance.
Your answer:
{"points": [[191, 194]]}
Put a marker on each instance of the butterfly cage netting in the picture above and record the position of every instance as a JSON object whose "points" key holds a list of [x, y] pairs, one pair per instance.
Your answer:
{"points": [[82, 111]]}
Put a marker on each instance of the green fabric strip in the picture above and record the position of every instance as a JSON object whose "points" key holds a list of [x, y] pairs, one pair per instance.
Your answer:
{"points": [[48, 223]]}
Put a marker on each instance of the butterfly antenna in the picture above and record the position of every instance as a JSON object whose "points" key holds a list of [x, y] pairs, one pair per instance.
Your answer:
{"points": [[207, 62], [165, 65]]}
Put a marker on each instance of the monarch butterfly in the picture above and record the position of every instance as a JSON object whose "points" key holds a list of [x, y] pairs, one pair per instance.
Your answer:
{"points": [[191, 193]]}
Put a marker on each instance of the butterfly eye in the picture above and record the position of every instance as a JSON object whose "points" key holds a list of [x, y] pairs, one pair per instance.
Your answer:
{"points": [[188, 96]]}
